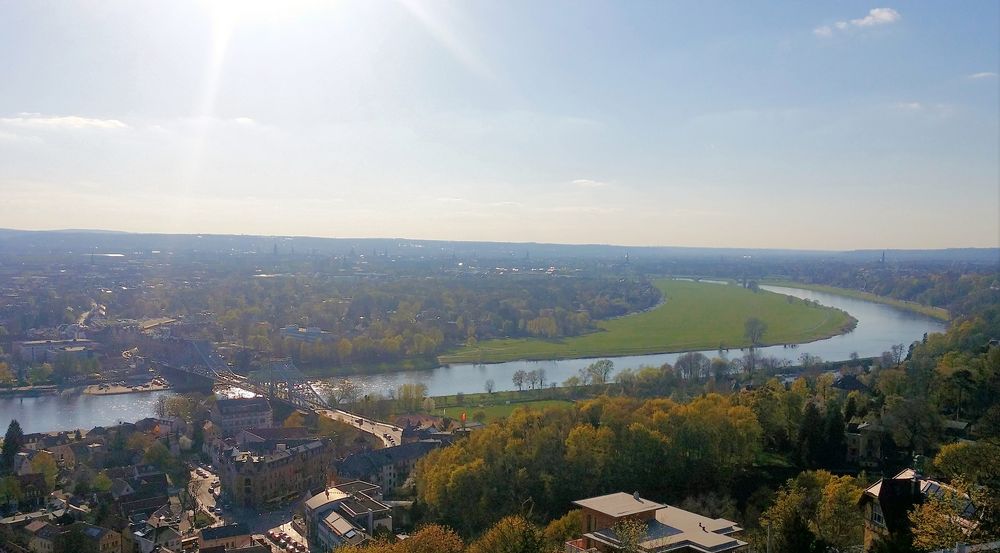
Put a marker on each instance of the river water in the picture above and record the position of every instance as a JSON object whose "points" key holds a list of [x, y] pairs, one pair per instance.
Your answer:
{"points": [[879, 327]]}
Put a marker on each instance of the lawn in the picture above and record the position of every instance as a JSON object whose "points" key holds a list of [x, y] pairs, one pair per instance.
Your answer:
{"points": [[496, 410], [930, 311], [695, 316]]}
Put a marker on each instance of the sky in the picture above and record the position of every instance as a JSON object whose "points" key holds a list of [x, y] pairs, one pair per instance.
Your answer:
{"points": [[815, 125]]}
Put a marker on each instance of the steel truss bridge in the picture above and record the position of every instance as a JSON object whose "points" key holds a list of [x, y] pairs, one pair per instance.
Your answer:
{"points": [[280, 380]]}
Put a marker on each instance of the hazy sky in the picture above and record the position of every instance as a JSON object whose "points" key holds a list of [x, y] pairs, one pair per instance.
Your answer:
{"points": [[825, 125]]}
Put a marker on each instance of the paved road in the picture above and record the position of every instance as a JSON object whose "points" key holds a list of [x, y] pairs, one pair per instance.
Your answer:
{"points": [[389, 434]]}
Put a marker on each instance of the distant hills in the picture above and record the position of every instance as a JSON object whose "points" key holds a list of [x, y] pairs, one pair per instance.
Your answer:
{"points": [[85, 241]]}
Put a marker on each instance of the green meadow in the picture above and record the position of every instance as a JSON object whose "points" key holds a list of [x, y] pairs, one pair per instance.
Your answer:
{"points": [[693, 316]]}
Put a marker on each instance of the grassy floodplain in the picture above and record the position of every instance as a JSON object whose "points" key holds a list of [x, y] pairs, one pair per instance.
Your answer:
{"points": [[931, 311], [495, 406], [695, 316]]}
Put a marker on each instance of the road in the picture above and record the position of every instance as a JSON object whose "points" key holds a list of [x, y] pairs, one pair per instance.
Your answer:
{"points": [[389, 434]]}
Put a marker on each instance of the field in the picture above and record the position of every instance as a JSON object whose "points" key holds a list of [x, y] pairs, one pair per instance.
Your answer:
{"points": [[495, 406], [695, 316], [930, 311]]}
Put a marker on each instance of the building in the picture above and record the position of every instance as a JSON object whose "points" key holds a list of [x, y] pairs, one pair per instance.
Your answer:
{"points": [[886, 503], [667, 528], [864, 442], [310, 334], [231, 536], [235, 415], [103, 539], [42, 536], [346, 514], [388, 467], [269, 473], [41, 351]]}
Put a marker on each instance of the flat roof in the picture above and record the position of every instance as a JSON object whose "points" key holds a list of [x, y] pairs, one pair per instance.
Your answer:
{"points": [[619, 504]]}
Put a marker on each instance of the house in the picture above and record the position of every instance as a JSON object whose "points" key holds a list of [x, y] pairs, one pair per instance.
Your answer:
{"points": [[388, 467], [103, 539], [235, 415], [34, 490], [666, 529], [345, 514], [864, 442], [231, 536], [42, 536], [886, 503]]}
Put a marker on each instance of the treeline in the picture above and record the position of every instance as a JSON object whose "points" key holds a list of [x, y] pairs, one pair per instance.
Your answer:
{"points": [[382, 320], [540, 461]]}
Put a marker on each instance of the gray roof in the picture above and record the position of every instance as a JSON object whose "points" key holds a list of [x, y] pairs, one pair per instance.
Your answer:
{"points": [[228, 531]]}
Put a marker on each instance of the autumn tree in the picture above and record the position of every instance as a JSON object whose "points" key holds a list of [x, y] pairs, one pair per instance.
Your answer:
{"points": [[513, 534]]}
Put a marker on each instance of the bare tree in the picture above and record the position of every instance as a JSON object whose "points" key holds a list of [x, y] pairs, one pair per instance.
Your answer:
{"points": [[490, 386], [519, 378]]}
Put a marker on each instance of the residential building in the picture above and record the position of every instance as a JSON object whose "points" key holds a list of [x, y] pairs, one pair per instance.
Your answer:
{"points": [[388, 467], [103, 539], [345, 514], [864, 442], [235, 415], [667, 528], [886, 503], [269, 473], [231, 536]]}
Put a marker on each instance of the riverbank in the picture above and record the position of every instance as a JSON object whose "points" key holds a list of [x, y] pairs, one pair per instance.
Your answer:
{"points": [[29, 391], [106, 390], [695, 316], [938, 313]]}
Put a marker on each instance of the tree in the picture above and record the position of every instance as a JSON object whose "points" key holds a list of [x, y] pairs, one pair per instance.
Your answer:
{"points": [[158, 455], [630, 533], [934, 522], [45, 464], [432, 538], [12, 443], [811, 438], [513, 534], [564, 528], [490, 386], [519, 377], [101, 482], [599, 372], [914, 423], [10, 490], [344, 393], [754, 330]]}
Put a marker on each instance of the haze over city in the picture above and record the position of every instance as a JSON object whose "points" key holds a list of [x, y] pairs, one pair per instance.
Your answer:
{"points": [[815, 125]]}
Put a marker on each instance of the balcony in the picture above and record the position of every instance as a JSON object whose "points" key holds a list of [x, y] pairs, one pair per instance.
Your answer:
{"points": [[579, 545]]}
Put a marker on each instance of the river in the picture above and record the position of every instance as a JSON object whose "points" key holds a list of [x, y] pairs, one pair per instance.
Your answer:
{"points": [[879, 327]]}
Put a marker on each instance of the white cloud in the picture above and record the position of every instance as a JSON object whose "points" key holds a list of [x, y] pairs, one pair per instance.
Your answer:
{"points": [[909, 106], [875, 17], [825, 31], [245, 121], [983, 75], [72, 122], [589, 183]]}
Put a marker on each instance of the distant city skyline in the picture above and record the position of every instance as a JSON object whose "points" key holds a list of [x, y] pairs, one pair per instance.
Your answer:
{"points": [[822, 126]]}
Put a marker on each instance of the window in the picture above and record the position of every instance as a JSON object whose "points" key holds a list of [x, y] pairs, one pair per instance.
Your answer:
{"points": [[876, 515]]}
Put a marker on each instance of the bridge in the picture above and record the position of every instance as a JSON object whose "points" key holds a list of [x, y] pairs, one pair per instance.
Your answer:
{"points": [[280, 380]]}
